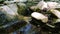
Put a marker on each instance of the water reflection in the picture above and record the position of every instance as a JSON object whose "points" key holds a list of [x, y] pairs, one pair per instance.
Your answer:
{"points": [[27, 29]]}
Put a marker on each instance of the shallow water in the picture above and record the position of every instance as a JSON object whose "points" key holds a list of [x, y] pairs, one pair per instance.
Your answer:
{"points": [[16, 27]]}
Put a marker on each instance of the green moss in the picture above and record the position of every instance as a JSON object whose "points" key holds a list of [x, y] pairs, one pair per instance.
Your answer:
{"points": [[36, 9], [21, 10], [58, 9]]}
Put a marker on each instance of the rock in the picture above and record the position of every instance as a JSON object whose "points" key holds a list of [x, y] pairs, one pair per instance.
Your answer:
{"points": [[21, 4], [57, 20], [8, 12], [21, 9], [39, 16], [7, 2], [13, 7], [56, 13], [23, 0], [42, 5], [46, 5], [50, 25], [52, 5]]}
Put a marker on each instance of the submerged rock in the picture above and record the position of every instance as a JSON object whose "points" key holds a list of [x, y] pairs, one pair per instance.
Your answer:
{"points": [[9, 13], [14, 8], [22, 9], [2, 18]]}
